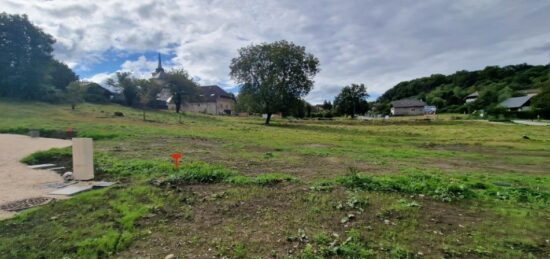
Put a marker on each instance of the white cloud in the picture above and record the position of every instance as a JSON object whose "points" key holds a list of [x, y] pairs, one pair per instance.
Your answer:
{"points": [[378, 43], [99, 78]]}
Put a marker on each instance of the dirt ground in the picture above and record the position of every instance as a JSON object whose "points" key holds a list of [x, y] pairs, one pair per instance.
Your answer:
{"points": [[17, 181]]}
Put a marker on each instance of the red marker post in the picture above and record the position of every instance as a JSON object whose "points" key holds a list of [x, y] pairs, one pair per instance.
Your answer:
{"points": [[176, 157]]}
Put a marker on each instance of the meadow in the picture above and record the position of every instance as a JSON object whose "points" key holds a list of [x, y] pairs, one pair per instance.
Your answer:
{"points": [[406, 188]]}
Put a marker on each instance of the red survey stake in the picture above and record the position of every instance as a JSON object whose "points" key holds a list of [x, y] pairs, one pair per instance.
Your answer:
{"points": [[176, 157]]}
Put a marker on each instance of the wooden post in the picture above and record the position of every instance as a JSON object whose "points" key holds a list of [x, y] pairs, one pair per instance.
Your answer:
{"points": [[83, 159]]}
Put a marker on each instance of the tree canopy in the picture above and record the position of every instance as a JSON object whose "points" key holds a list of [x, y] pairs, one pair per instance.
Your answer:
{"points": [[274, 75], [27, 67], [352, 100], [125, 82], [181, 85]]}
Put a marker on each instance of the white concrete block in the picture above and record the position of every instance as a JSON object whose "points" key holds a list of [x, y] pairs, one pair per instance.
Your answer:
{"points": [[72, 190], [83, 159]]}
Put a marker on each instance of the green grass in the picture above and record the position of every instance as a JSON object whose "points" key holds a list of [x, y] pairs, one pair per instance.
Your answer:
{"points": [[248, 190], [529, 190]]}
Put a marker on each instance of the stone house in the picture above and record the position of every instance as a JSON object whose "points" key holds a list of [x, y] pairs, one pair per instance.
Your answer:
{"points": [[211, 99], [406, 107]]}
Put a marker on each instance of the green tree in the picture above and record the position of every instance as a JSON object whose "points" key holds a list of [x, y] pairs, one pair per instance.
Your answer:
{"points": [[26, 53], [352, 100], [274, 74], [147, 92], [182, 87], [541, 104], [74, 93], [95, 93], [126, 82], [61, 75], [246, 103], [327, 105]]}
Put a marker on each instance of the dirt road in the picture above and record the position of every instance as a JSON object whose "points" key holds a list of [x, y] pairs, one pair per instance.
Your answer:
{"points": [[17, 181]]}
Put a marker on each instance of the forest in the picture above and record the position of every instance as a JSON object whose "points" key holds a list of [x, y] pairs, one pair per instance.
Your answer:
{"points": [[493, 83]]}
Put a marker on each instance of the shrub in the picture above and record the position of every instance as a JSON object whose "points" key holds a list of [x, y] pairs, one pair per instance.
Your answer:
{"points": [[199, 172]]}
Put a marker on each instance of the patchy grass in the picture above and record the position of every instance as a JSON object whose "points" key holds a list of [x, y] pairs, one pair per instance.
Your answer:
{"points": [[440, 188], [54, 154]]}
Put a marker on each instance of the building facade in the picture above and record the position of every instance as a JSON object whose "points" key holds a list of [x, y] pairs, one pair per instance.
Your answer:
{"points": [[407, 107], [211, 100]]}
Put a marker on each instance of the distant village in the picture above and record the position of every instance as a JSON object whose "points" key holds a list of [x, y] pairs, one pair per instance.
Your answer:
{"points": [[213, 100]]}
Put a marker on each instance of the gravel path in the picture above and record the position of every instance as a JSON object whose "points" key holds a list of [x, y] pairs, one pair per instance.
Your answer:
{"points": [[17, 181]]}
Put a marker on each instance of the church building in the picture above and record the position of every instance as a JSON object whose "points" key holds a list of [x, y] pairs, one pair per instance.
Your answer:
{"points": [[211, 99]]}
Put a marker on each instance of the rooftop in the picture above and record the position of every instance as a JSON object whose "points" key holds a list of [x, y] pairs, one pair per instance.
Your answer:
{"points": [[404, 103], [516, 102], [210, 93]]}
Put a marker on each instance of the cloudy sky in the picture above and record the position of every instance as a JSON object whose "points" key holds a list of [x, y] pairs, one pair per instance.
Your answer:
{"points": [[379, 43]]}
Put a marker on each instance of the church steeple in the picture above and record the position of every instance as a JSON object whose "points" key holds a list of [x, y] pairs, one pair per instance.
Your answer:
{"points": [[159, 67]]}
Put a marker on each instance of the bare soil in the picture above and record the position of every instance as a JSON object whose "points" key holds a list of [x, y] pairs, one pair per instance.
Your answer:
{"points": [[17, 181]]}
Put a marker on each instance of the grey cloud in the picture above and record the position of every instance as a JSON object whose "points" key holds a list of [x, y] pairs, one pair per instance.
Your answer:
{"points": [[378, 43]]}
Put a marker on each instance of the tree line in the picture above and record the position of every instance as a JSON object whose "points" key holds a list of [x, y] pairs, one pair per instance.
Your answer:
{"points": [[493, 83]]}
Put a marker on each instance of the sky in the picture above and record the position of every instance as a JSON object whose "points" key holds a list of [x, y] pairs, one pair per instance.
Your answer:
{"points": [[378, 43]]}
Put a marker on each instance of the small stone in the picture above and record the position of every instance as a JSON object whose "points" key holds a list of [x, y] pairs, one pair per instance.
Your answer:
{"points": [[170, 256], [420, 253], [387, 222]]}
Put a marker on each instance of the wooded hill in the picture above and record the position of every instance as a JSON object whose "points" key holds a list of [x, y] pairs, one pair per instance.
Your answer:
{"points": [[494, 84]]}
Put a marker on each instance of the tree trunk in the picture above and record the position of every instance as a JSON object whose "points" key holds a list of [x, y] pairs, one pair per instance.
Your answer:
{"points": [[177, 102], [268, 119], [143, 114], [73, 106]]}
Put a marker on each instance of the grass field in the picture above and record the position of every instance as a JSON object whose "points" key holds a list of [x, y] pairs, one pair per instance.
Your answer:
{"points": [[296, 189]]}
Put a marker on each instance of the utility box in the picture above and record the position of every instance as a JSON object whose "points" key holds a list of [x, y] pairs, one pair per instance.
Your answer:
{"points": [[83, 159]]}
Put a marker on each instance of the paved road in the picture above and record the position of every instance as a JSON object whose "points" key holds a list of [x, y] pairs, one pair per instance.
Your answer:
{"points": [[17, 181]]}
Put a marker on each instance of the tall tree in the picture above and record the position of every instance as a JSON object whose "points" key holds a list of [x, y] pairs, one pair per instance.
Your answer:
{"points": [[327, 105], [182, 87], [26, 53], [74, 93], [125, 82], [274, 74], [352, 100], [147, 92], [61, 75]]}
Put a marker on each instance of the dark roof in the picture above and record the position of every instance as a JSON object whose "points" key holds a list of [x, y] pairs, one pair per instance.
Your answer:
{"points": [[403, 103], [210, 93], [516, 102]]}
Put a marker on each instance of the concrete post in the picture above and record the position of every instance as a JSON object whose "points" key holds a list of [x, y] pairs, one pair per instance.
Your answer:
{"points": [[83, 159]]}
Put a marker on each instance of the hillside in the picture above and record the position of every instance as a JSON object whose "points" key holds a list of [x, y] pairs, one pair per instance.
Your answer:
{"points": [[493, 83]]}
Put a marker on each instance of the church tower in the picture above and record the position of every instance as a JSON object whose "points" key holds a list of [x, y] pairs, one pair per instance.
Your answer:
{"points": [[159, 71]]}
